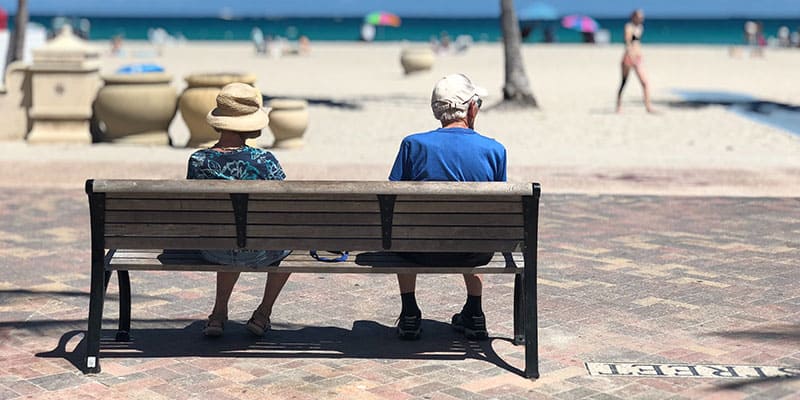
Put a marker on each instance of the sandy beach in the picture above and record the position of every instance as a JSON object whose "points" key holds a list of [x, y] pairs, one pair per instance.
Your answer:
{"points": [[361, 105]]}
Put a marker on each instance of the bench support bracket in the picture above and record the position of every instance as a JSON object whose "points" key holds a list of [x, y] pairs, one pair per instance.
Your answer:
{"points": [[239, 201], [386, 203]]}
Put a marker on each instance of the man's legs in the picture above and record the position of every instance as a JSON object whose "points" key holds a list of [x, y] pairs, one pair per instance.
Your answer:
{"points": [[410, 320], [471, 319]]}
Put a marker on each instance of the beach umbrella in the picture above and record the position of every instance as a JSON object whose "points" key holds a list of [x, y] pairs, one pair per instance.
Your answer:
{"points": [[581, 23], [382, 18], [537, 11]]}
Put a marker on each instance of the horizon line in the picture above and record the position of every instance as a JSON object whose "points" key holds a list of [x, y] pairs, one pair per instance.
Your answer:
{"points": [[416, 16]]}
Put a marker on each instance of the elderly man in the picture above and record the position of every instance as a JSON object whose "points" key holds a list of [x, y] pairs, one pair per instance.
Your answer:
{"points": [[454, 152]]}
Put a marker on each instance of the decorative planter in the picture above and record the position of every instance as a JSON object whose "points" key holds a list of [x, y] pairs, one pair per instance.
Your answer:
{"points": [[136, 108], [199, 98], [417, 59], [288, 120]]}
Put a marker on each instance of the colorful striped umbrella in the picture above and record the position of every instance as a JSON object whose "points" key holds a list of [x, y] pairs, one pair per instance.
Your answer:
{"points": [[382, 18], [581, 23]]}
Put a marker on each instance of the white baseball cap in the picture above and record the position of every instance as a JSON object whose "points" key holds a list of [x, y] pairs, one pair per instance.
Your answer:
{"points": [[453, 92]]}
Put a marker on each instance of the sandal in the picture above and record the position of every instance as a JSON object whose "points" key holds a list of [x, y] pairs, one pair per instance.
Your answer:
{"points": [[258, 326], [214, 326]]}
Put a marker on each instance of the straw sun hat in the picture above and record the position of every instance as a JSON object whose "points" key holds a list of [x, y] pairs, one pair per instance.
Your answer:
{"points": [[239, 109]]}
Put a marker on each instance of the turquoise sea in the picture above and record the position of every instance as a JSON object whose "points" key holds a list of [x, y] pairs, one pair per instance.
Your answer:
{"points": [[676, 31]]}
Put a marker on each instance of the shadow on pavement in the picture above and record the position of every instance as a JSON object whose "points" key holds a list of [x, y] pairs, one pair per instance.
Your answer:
{"points": [[367, 339], [778, 332], [6, 295]]}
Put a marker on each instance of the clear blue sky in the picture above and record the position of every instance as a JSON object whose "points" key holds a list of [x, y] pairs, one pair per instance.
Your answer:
{"points": [[409, 8]]}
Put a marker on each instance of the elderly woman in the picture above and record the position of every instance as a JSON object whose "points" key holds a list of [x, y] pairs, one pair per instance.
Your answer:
{"points": [[632, 59], [239, 116]]}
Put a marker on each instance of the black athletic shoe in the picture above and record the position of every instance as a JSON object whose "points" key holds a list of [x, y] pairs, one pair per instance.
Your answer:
{"points": [[409, 326], [474, 327]]}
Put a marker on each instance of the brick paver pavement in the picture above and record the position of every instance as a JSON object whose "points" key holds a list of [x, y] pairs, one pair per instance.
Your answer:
{"points": [[676, 280]]}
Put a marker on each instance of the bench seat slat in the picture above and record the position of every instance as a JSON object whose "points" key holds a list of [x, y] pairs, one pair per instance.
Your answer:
{"points": [[302, 263], [230, 243], [353, 269], [313, 187], [314, 206], [253, 205], [226, 196], [253, 231], [476, 245], [305, 197], [299, 256], [311, 231], [169, 217], [457, 207], [455, 219], [226, 217], [169, 205]]}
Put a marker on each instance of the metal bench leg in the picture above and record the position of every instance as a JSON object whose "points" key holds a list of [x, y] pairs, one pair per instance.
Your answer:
{"points": [[99, 280], [519, 311], [530, 209], [123, 334], [95, 318], [531, 322]]}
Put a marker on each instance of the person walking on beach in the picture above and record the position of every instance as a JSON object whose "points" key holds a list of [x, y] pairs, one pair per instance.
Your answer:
{"points": [[632, 59], [239, 116], [454, 152]]}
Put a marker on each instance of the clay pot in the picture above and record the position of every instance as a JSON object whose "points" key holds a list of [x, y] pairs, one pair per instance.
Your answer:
{"points": [[199, 98], [288, 120], [417, 59], [136, 108]]}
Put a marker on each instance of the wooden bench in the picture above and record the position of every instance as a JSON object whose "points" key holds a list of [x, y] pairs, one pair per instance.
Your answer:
{"points": [[133, 220]]}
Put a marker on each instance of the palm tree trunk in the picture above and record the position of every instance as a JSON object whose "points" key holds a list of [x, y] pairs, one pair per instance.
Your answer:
{"points": [[517, 89], [16, 49]]}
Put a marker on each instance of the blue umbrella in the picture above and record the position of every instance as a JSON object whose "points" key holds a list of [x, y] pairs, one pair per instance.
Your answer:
{"points": [[537, 11]]}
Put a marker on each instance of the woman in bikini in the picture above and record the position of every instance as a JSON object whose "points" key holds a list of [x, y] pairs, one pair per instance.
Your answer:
{"points": [[632, 59]]}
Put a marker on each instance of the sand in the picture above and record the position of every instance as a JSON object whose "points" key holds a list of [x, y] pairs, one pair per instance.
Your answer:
{"points": [[573, 143]]}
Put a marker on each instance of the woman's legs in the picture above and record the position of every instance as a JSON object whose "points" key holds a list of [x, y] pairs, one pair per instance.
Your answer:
{"points": [[216, 321], [645, 87], [273, 287], [626, 69], [225, 283]]}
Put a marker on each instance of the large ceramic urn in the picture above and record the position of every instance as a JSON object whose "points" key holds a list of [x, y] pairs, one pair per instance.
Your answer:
{"points": [[136, 108], [288, 120], [415, 59], [199, 98]]}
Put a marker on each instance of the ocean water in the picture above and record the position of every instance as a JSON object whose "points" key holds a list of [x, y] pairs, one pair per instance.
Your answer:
{"points": [[675, 31]]}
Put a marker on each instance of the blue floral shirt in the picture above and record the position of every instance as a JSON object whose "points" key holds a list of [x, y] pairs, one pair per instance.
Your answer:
{"points": [[247, 163]]}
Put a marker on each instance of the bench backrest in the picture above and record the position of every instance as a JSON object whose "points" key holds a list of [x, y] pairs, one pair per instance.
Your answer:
{"points": [[301, 215]]}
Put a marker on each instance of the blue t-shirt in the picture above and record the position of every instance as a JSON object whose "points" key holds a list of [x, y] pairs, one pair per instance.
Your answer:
{"points": [[450, 154], [246, 163]]}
